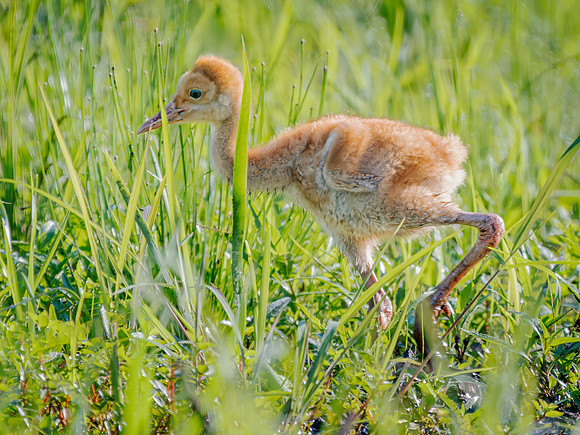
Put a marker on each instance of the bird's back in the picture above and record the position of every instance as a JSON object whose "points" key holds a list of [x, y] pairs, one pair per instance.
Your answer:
{"points": [[397, 153]]}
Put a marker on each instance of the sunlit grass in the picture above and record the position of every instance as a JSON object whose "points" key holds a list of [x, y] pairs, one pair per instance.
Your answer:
{"points": [[117, 303]]}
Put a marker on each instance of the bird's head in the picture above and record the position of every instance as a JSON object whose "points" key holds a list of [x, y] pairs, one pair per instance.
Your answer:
{"points": [[210, 92]]}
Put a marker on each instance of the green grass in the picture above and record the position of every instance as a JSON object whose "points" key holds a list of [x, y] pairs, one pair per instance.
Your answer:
{"points": [[118, 311]]}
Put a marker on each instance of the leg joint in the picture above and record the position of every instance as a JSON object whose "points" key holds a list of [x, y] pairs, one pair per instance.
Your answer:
{"points": [[491, 230]]}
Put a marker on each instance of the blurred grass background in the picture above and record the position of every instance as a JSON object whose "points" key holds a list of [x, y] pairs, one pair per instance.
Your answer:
{"points": [[116, 293]]}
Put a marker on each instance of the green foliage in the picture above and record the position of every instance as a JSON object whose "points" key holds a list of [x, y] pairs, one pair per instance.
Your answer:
{"points": [[118, 308]]}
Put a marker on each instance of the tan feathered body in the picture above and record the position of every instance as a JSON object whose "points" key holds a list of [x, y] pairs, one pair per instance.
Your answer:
{"points": [[360, 178]]}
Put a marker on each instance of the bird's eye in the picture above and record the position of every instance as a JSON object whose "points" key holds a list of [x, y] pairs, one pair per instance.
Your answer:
{"points": [[195, 94]]}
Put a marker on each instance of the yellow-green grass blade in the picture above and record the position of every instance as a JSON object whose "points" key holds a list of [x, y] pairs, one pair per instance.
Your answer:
{"points": [[138, 397], [231, 316], [55, 245], [280, 36], [31, 259], [322, 355], [130, 216], [239, 183], [265, 284], [401, 312], [173, 204], [158, 325], [323, 88], [140, 221], [310, 316], [154, 208], [9, 265], [300, 352], [397, 38]]}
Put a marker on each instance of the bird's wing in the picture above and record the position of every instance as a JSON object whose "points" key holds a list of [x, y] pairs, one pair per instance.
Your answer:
{"points": [[352, 181], [344, 166]]}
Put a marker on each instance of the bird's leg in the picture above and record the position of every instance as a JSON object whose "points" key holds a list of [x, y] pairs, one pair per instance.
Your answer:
{"points": [[491, 228], [380, 298], [360, 254]]}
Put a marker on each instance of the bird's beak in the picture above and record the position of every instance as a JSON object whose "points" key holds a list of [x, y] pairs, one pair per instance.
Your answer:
{"points": [[173, 115]]}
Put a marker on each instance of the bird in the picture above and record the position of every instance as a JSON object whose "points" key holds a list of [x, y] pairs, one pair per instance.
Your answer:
{"points": [[362, 179]]}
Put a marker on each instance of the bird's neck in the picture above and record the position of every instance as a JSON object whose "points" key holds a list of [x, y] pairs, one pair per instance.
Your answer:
{"points": [[268, 166], [223, 146]]}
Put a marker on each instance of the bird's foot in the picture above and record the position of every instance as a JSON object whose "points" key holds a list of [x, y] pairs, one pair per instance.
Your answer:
{"points": [[442, 308], [385, 310], [439, 302]]}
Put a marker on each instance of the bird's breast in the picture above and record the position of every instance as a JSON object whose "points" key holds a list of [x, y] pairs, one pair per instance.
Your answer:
{"points": [[340, 213]]}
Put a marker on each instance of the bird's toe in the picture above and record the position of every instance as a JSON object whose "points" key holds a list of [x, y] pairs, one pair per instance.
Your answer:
{"points": [[442, 308]]}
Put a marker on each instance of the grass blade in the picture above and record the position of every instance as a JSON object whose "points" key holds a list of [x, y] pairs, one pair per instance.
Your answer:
{"points": [[239, 183], [130, 217], [140, 221], [137, 409], [321, 356], [265, 285], [11, 270]]}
